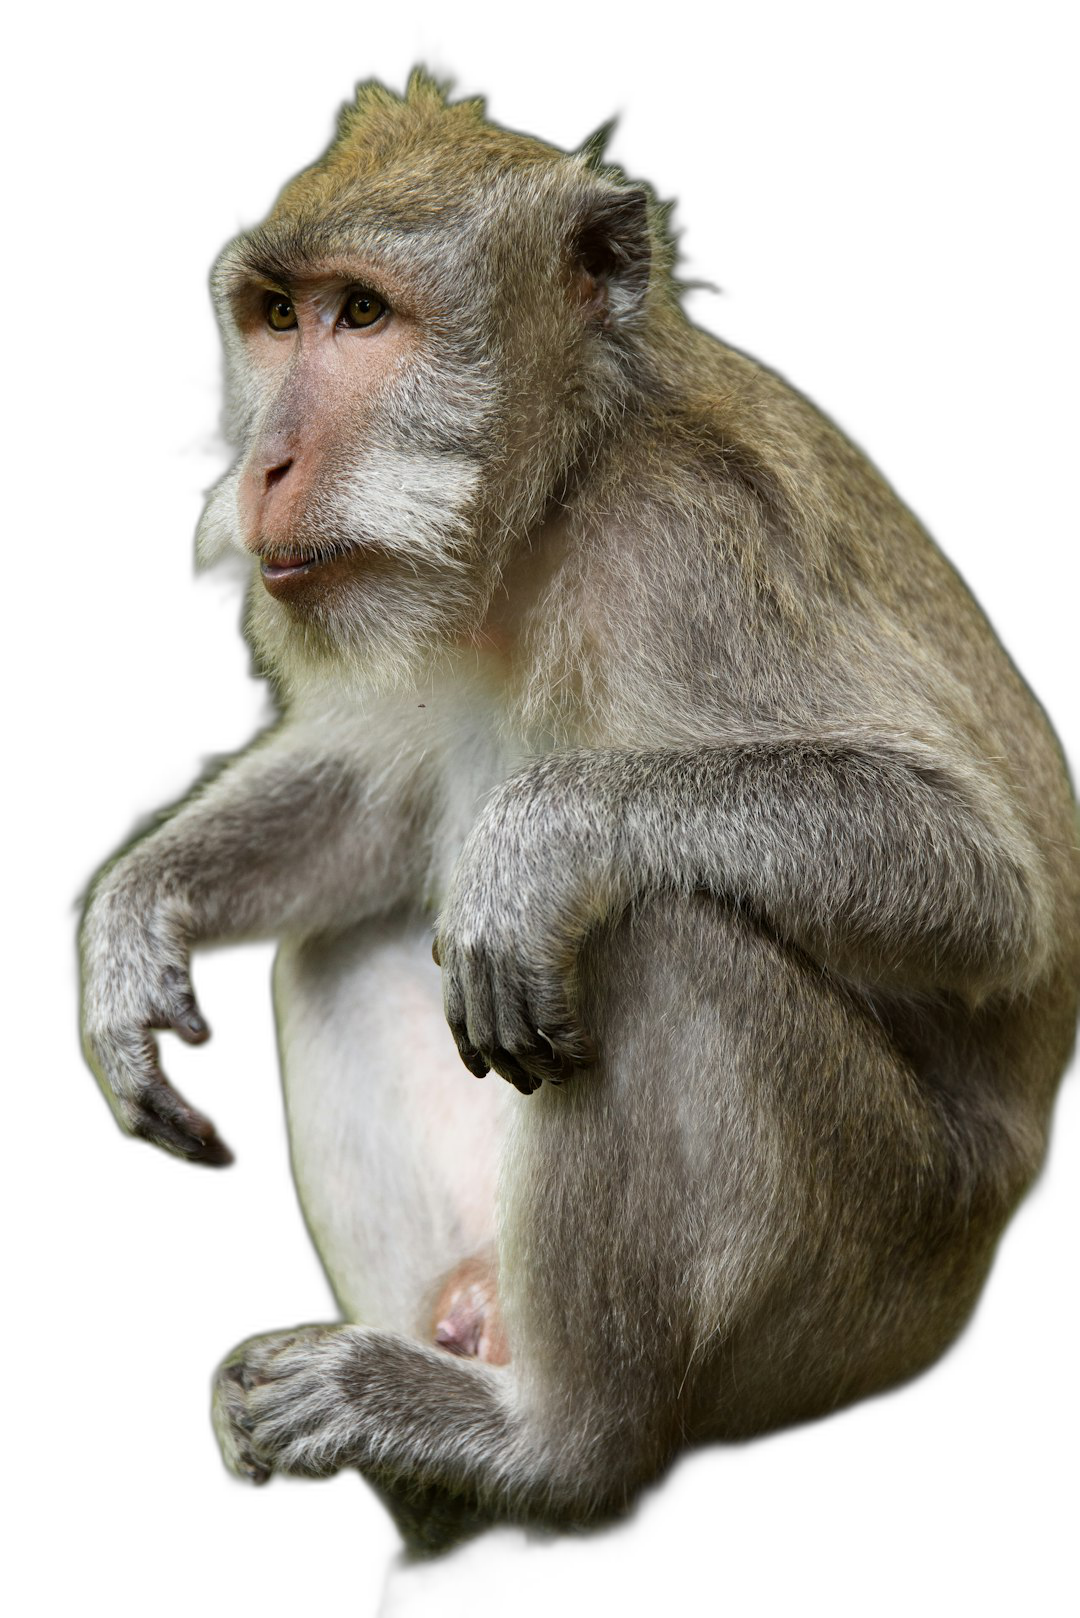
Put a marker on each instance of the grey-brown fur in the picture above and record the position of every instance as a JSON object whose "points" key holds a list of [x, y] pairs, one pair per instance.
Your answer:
{"points": [[738, 823]]}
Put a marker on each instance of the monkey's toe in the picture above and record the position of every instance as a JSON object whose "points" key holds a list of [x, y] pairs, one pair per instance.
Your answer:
{"points": [[281, 1403], [234, 1426]]}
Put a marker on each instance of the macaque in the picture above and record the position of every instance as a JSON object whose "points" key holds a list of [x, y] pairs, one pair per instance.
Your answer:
{"points": [[636, 747]]}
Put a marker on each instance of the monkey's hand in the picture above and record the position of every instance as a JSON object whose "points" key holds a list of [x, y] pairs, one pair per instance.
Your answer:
{"points": [[135, 979], [528, 887]]}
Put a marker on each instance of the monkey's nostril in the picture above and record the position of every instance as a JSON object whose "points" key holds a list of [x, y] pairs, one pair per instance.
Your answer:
{"points": [[276, 473]]}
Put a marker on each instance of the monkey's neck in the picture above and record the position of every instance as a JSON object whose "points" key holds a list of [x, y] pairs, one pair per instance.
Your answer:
{"points": [[522, 586]]}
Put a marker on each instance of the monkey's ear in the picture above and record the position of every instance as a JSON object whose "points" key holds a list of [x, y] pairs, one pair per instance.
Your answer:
{"points": [[612, 252]]}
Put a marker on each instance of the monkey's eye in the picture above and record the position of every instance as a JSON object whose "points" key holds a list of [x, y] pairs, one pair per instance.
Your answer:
{"points": [[361, 309], [280, 314]]}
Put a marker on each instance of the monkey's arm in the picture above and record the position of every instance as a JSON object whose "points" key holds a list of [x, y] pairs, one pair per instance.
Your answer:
{"points": [[291, 835], [885, 861]]}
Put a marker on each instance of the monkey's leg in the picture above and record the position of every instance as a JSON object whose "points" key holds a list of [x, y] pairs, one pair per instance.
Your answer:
{"points": [[756, 1208], [746, 1213]]}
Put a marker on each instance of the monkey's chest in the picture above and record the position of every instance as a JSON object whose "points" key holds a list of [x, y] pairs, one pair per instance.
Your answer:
{"points": [[473, 757]]}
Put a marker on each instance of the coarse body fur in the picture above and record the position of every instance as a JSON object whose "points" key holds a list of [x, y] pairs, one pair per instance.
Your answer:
{"points": [[751, 860]]}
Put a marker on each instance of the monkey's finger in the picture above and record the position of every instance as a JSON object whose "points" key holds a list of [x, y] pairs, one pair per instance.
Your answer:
{"points": [[555, 1069], [213, 1152], [544, 1068], [469, 1004], [560, 1045], [471, 1058], [153, 1112], [454, 1011], [523, 1048], [193, 1029], [436, 955], [188, 1138], [568, 1055], [182, 1014], [509, 1068], [191, 1135], [479, 998], [453, 998]]}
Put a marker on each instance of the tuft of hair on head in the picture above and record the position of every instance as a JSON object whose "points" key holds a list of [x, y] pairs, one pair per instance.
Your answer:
{"points": [[595, 151], [381, 119]]}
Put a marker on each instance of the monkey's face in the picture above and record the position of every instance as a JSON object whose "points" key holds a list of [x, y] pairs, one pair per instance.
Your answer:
{"points": [[420, 348]]}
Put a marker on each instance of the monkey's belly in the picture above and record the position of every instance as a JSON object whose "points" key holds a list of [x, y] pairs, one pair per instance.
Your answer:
{"points": [[394, 1145]]}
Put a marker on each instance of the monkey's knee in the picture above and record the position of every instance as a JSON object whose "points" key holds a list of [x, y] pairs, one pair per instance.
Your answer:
{"points": [[467, 1318]]}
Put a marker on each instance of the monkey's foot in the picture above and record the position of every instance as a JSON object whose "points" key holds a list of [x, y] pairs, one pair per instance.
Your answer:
{"points": [[283, 1403]]}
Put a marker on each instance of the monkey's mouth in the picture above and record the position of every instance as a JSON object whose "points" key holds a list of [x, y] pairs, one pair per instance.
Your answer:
{"points": [[289, 574], [284, 567]]}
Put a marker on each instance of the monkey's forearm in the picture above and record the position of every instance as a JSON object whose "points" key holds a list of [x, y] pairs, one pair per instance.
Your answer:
{"points": [[283, 839], [880, 862]]}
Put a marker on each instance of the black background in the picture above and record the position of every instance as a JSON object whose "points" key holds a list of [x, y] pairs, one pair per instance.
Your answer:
{"points": [[873, 217]]}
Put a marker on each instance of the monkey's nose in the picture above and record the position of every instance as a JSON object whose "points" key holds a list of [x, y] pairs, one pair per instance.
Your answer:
{"points": [[275, 474]]}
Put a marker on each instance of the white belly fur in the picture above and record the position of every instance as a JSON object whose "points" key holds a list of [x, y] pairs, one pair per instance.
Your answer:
{"points": [[394, 1144]]}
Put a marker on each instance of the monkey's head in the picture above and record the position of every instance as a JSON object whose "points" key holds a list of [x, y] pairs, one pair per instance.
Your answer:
{"points": [[434, 328]]}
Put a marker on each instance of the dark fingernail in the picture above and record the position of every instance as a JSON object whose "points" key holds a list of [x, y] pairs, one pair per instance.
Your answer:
{"points": [[213, 1152], [435, 956]]}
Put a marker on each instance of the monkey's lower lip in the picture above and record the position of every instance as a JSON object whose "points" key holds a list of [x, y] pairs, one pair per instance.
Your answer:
{"points": [[293, 577], [284, 567], [290, 577]]}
